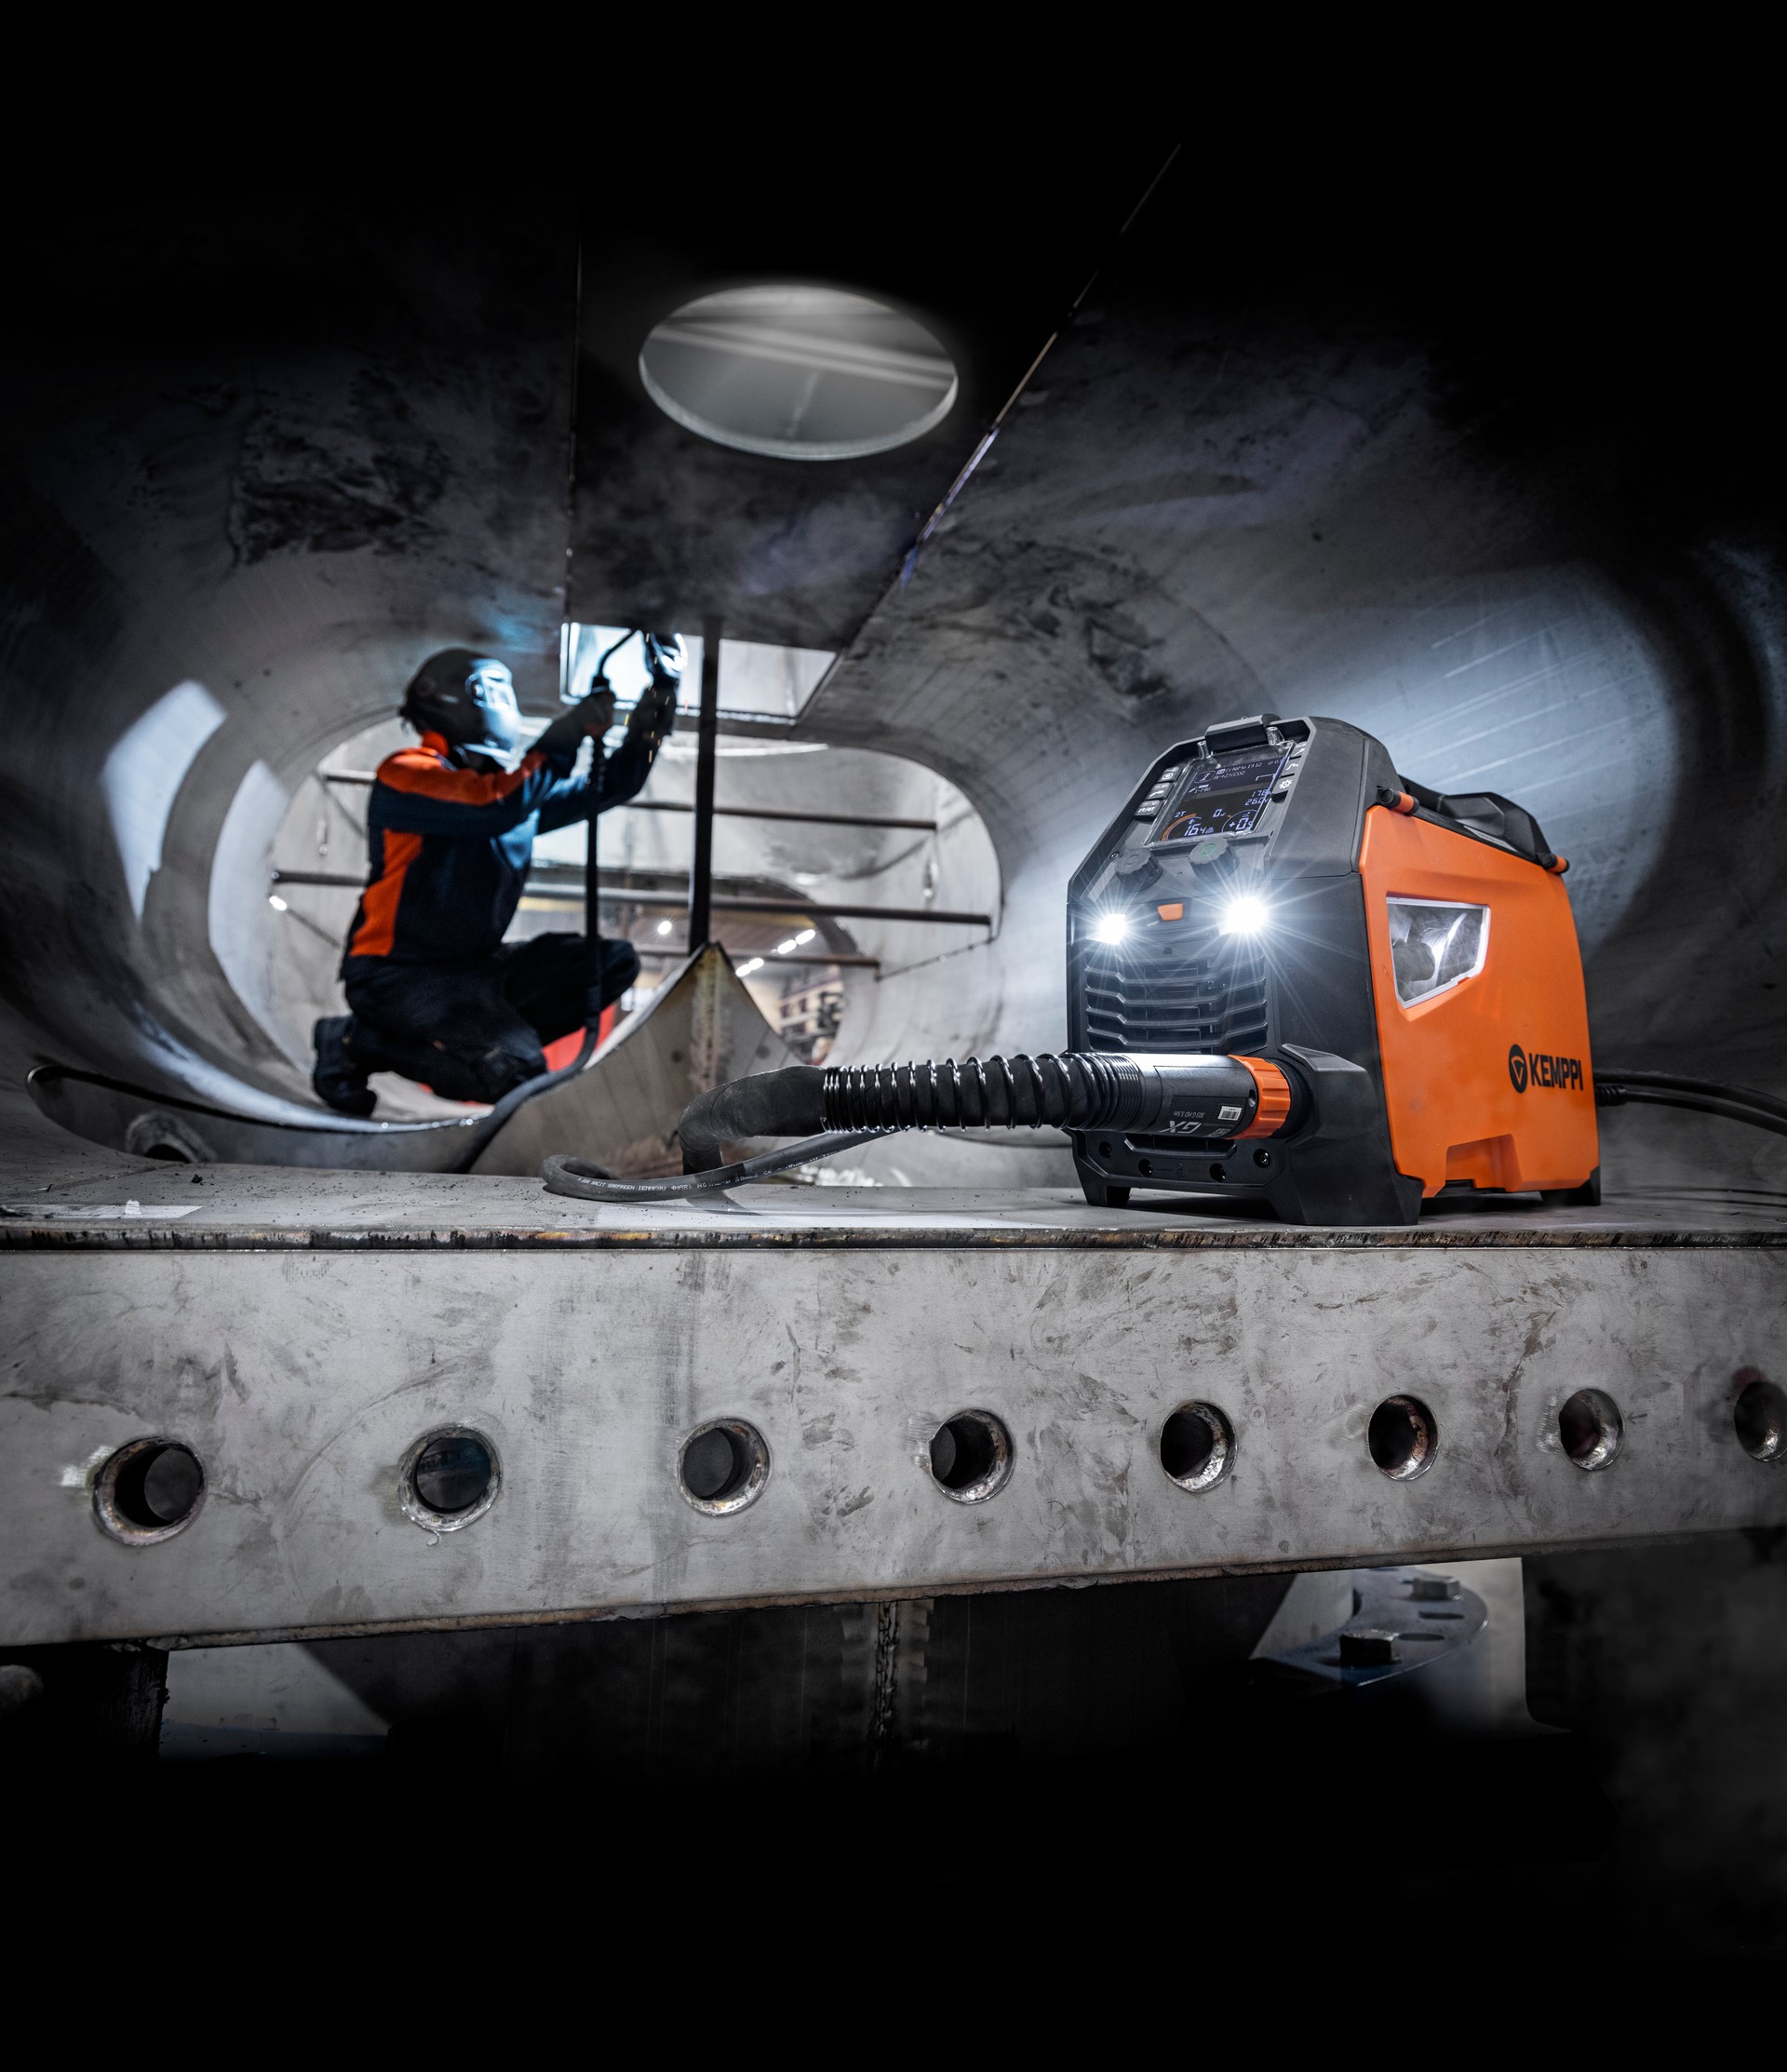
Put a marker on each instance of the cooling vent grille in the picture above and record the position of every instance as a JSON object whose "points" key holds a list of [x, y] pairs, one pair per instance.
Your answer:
{"points": [[1177, 988]]}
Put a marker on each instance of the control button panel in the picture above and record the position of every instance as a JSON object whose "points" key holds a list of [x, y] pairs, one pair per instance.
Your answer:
{"points": [[1159, 792]]}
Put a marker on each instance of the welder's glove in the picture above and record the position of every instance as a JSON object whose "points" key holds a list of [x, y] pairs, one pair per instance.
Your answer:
{"points": [[654, 717], [565, 735]]}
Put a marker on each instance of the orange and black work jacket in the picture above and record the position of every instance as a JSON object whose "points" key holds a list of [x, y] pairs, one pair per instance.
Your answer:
{"points": [[450, 847]]}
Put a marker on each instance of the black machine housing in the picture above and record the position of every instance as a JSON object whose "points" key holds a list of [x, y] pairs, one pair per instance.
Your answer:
{"points": [[1257, 808]]}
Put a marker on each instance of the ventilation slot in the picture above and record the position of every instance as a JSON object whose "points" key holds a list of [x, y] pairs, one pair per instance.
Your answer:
{"points": [[1177, 991]]}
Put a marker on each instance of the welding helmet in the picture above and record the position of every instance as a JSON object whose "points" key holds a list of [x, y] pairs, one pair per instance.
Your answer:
{"points": [[665, 656], [467, 699]]}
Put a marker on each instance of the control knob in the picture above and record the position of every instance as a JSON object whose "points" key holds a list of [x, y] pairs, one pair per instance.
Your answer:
{"points": [[1135, 871]]}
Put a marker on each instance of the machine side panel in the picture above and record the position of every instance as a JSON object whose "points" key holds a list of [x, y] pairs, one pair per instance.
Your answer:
{"points": [[1490, 1081]]}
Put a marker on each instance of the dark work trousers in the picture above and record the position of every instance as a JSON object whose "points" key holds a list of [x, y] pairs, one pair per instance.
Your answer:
{"points": [[473, 1031]]}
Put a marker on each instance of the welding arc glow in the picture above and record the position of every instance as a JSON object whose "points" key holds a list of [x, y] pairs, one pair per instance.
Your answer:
{"points": [[1245, 915], [1111, 928]]}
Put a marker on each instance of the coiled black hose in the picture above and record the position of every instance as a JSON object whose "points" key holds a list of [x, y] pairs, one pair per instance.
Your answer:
{"points": [[1077, 1090], [832, 1109]]}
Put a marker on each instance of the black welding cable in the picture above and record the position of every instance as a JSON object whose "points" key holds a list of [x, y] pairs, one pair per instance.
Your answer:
{"points": [[786, 1103], [1744, 1096], [564, 1175], [1736, 1103], [600, 681]]}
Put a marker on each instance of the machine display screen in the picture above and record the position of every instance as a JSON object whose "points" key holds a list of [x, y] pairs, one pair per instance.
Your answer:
{"points": [[1221, 797]]}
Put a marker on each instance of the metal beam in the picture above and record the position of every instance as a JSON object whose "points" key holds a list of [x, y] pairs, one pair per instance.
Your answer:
{"points": [[700, 868], [302, 1359]]}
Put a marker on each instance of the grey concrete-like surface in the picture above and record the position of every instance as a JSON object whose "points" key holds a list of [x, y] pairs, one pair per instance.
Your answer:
{"points": [[221, 1203]]}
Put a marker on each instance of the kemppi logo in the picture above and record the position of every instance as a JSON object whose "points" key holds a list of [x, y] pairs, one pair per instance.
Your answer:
{"points": [[1538, 1067]]}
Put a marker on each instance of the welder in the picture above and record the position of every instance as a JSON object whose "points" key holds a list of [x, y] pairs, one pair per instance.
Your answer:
{"points": [[438, 996]]}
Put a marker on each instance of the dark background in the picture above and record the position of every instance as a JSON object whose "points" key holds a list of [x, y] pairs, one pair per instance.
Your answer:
{"points": [[286, 424]]}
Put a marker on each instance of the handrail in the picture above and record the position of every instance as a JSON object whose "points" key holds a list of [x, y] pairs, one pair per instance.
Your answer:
{"points": [[566, 889], [811, 957], [725, 813]]}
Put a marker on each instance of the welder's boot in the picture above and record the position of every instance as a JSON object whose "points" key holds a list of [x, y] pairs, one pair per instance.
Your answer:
{"points": [[338, 1077]]}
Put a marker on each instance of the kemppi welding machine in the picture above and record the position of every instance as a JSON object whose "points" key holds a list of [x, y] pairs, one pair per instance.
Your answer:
{"points": [[1293, 976], [1395, 970]]}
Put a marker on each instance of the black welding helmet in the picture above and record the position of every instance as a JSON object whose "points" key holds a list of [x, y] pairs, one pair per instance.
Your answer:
{"points": [[469, 700]]}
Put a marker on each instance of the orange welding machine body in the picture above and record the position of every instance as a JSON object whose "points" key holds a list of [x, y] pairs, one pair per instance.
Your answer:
{"points": [[1398, 969]]}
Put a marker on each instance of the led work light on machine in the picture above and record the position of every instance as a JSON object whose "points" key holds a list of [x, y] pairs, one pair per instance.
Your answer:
{"points": [[1295, 979]]}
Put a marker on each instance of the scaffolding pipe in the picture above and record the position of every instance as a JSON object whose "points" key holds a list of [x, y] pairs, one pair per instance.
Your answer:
{"points": [[700, 870]]}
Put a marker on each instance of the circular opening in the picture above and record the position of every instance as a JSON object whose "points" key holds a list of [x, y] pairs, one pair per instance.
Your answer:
{"points": [[1760, 1419], [156, 1134], [450, 1477], [724, 1466], [1218, 1171], [1196, 1445], [800, 373], [1590, 1428], [1104, 1150], [1144, 1165], [149, 1490], [1262, 1158], [1403, 1437], [971, 1456]]}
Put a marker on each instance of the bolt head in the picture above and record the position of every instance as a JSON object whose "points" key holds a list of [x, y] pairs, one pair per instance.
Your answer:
{"points": [[1367, 1647], [1433, 1590]]}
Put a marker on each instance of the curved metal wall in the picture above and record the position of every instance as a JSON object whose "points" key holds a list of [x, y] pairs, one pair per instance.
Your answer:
{"points": [[1206, 511], [264, 456]]}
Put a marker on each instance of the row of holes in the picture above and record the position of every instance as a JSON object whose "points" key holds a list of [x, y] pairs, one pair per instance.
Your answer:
{"points": [[1404, 1436], [151, 1489]]}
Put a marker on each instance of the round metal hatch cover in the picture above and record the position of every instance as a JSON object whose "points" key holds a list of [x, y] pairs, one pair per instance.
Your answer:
{"points": [[800, 373]]}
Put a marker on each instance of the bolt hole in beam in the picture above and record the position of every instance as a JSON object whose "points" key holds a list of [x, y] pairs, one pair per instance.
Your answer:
{"points": [[1760, 1415], [1196, 1445], [148, 1491], [725, 1465], [971, 1456], [449, 1478], [1403, 1437], [1590, 1428]]}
